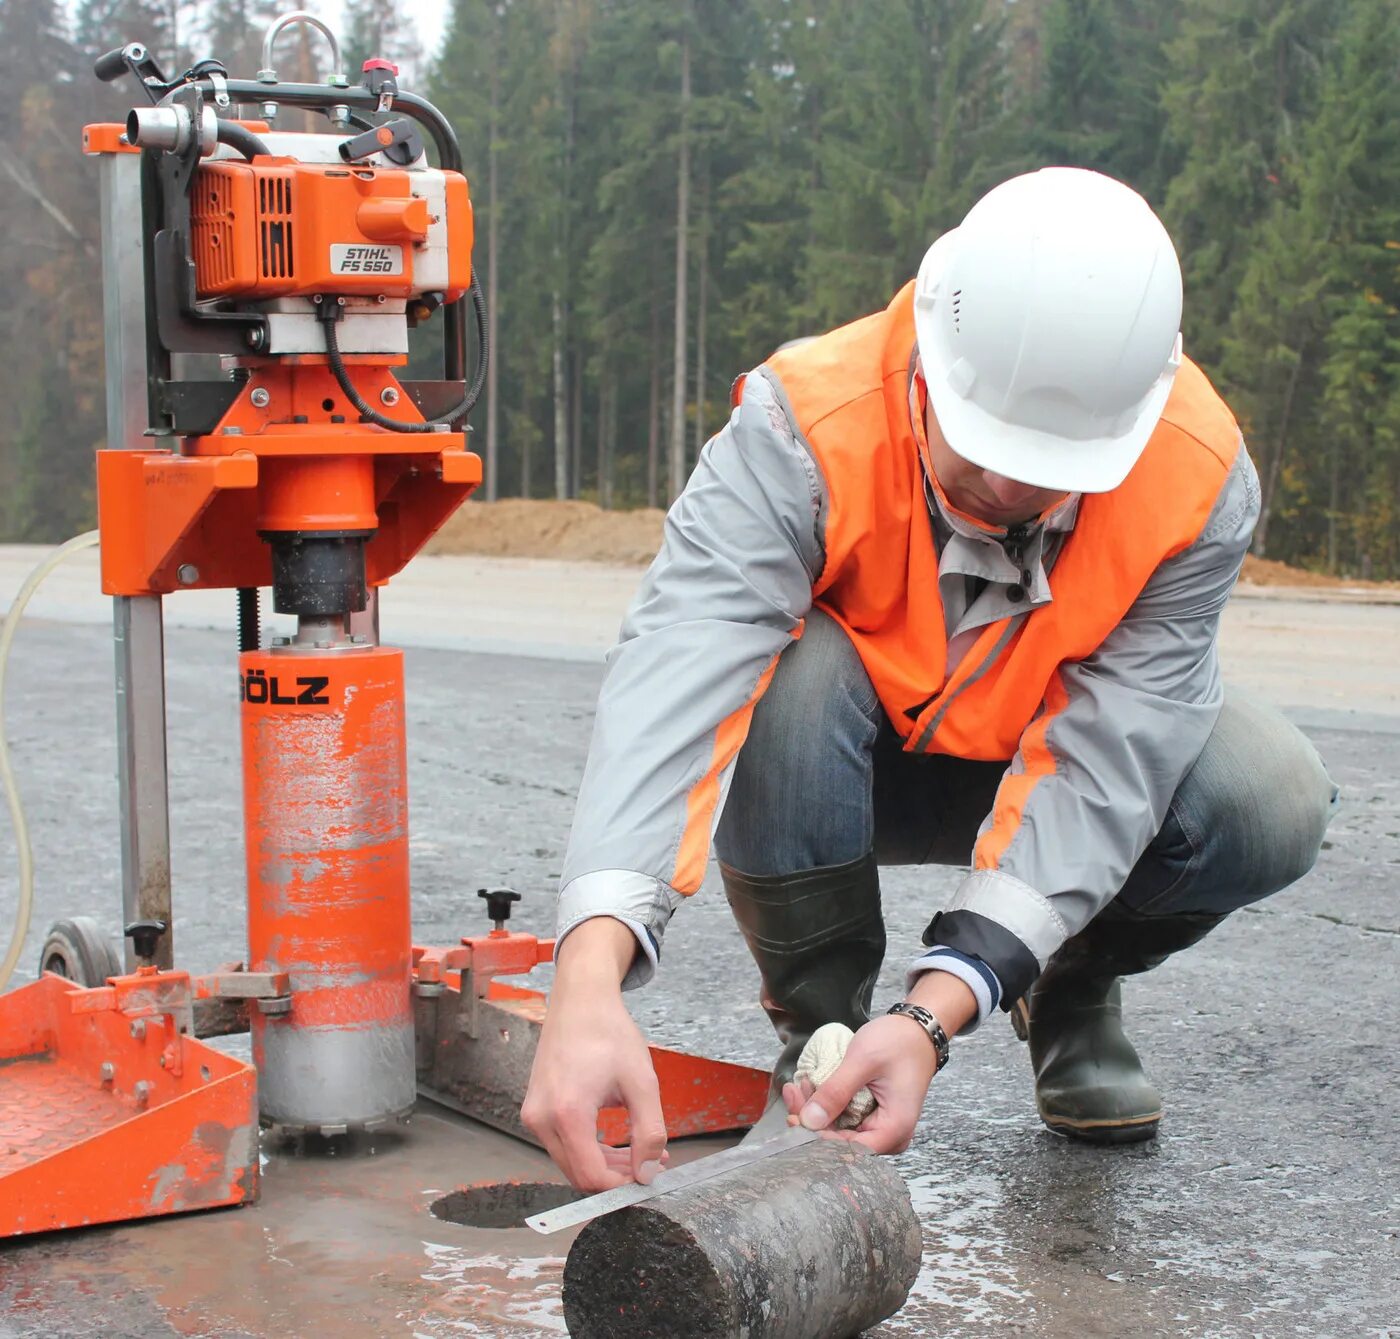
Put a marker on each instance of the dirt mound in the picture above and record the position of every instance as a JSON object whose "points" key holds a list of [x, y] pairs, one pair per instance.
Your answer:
{"points": [[580, 531], [516, 528], [1266, 572]]}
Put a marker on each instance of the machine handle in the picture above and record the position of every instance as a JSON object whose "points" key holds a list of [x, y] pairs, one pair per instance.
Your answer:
{"points": [[113, 64], [144, 936], [498, 901]]}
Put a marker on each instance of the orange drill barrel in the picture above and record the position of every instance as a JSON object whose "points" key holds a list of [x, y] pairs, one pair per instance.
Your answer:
{"points": [[325, 797]]}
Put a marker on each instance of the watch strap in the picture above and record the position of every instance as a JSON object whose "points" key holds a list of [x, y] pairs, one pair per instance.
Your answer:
{"points": [[930, 1025]]}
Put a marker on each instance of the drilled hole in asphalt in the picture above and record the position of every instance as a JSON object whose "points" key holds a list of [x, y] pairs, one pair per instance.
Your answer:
{"points": [[501, 1203]]}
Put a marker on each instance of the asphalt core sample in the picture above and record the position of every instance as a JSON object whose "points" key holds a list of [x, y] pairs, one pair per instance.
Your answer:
{"points": [[820, 1242]]}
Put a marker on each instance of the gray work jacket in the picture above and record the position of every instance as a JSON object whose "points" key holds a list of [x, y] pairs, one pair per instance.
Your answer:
{"points": [[727, 593]]}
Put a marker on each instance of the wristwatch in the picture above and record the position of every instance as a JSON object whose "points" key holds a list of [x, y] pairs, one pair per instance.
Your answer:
{"points": [[929, 1023]]}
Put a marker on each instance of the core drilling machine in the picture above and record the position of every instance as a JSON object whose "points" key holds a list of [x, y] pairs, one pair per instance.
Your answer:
{"points": [[295, 263]]}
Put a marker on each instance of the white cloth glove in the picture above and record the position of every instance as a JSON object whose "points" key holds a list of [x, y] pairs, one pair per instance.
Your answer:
{"points": [[820, 1058]]}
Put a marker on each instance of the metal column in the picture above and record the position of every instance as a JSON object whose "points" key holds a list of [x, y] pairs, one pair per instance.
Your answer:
{"points": [[141, 767], [136, 620]]}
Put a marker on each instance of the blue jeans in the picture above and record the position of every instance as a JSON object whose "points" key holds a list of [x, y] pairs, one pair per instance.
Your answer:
{"points": [[823, 780]]}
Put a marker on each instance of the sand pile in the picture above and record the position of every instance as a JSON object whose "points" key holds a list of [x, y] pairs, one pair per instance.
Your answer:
{"points": [[581, 531]]}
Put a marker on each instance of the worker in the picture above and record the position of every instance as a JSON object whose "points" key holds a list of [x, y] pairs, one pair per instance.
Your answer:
{"points": [[946, 589]]}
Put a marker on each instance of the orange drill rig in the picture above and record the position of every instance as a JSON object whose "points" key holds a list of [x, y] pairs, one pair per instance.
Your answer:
{"points": [[296, 264], [301, 261]]}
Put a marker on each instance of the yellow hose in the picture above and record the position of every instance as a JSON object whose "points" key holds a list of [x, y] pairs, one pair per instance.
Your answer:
{"points": [[7, 777]]}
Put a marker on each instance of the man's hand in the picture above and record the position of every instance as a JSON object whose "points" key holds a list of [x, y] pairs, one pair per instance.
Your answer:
{"points": [[592, 1055], [894, 1058]]}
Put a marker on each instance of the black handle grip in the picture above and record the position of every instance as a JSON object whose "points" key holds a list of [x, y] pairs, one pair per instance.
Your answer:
{"points": [[498, 902], [144, 936], [111, 66]]}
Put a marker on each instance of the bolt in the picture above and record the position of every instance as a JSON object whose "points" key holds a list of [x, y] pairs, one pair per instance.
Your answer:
{"points": [[269, 111], [358, 638], [340, 302], [255, 337], [138, 1030], [233, 432], [316, 298], [142, 1092], [260, 398], [323, 646], [188, 574], [388, 396], [281, 641], [381, 298], [109, 1073]]}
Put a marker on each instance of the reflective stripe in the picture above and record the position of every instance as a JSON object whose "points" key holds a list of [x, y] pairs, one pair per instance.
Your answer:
{"points": [[638, 900], [1015, 789], [925, 740], [1016, 907], [694, 850]]}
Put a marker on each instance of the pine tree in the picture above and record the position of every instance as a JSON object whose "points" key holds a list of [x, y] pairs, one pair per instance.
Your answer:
{"points": [[1351, 160], [1241, 79], [910, 111], [1099, 100]]}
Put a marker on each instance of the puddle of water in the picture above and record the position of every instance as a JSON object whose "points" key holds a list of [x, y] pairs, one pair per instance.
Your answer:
{"points": [[475, 1295], [965, 1267]]}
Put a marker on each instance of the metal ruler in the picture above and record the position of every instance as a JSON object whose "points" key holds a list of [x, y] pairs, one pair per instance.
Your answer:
{"points": [[675, 1178]]}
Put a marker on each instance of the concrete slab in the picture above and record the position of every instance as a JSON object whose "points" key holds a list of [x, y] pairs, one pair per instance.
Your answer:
{"points": [[1270, 1205]]}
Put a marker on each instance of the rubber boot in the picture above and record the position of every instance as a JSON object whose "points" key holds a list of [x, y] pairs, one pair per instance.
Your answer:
{"points": [[818, 939], [1089, 1081]]}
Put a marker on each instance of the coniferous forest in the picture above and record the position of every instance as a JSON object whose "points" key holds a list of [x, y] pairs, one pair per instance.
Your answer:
{"points": [[665, 190]]}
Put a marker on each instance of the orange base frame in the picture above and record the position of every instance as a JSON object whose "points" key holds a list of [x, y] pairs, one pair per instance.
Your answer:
{"points": [[698, 1095], [107, 1112]]}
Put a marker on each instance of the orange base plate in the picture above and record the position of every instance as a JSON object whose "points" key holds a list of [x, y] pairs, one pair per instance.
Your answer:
{"points": [[94, 1129]]}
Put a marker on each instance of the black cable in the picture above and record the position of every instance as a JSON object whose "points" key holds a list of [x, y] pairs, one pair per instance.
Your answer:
{"points": [[483, 351], [241, 139], [249, 628], [330, 314]]}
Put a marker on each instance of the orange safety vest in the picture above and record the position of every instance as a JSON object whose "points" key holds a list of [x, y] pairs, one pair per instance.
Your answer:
{"points": [[849, 393]]}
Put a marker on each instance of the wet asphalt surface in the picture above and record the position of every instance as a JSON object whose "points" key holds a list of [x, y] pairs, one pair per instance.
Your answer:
{"points": [[1269, 1206]]}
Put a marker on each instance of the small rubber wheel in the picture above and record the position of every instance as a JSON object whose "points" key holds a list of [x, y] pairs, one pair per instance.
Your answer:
{"points": [[77, 948]]}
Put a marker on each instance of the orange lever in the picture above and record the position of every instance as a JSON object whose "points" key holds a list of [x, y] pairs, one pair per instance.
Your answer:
{"points": [[393, 220]]}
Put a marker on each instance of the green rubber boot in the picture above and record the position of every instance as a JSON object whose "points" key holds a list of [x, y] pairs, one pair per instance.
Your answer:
{"points": [[1089, 1080], [818, 938]]}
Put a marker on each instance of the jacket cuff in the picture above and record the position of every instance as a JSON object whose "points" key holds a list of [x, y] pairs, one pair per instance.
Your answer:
{"points": [[1004, 923], [972, 972], [641, 902]]}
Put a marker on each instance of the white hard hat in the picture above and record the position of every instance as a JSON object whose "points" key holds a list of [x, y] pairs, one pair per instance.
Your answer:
{"points": [[1049, 327]]}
